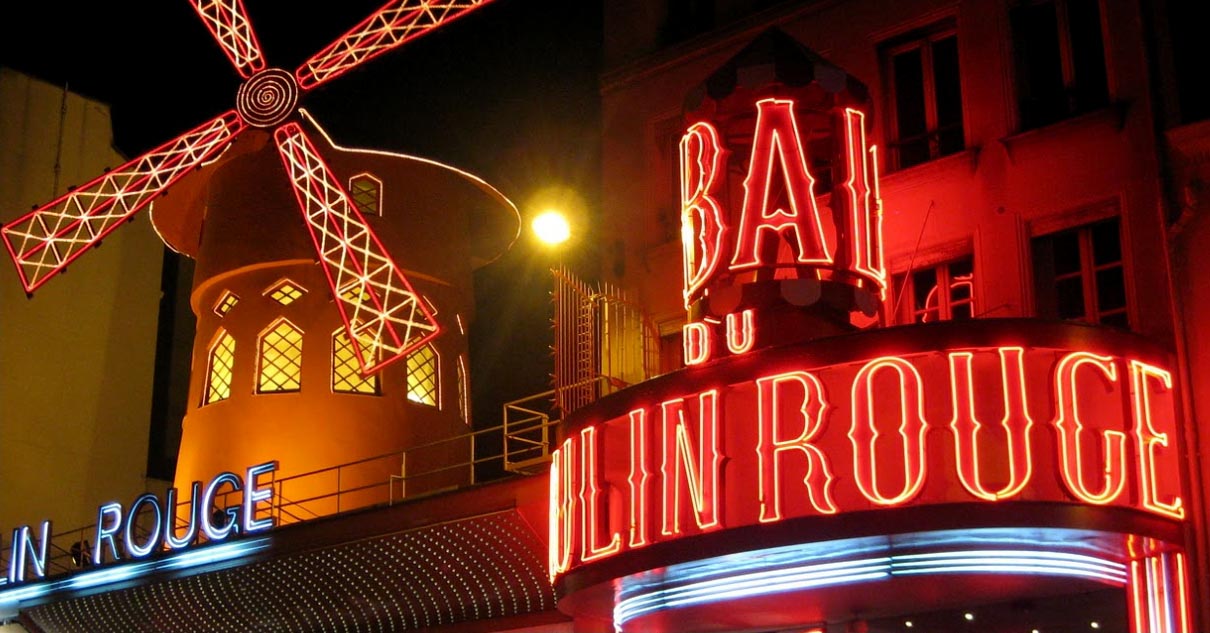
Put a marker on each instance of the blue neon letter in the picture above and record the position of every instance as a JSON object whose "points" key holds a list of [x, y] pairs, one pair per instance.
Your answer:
{"points": [[218, 533], [113, 509], [252, 495]]}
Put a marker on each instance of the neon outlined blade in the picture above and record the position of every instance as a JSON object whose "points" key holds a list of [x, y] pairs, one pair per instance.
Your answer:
{"points": [[384, 316], [395, 23], [47, 239], [228, 23]]}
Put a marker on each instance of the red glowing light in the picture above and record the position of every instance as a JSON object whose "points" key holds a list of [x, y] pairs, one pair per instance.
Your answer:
{"points": [[562, 505], [781, 441], [1016, 423], [776, 142], [590, 501], [44, 241], [740, 336], [1071, 437], [640, 474], [912, 429], [865, 208], [702, 224], [1159, 588], [770, 447], [397, 22], [1148, 439], [228, 23], [385, 317], [701, 467], [695, 337]]}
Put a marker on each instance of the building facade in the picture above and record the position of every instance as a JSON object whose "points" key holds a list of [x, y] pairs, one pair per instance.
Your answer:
{"points": [[1025, 180], [908, 342]]}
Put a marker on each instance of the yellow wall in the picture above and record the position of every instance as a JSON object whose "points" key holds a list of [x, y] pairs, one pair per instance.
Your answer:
{"points": [[76, 361]]}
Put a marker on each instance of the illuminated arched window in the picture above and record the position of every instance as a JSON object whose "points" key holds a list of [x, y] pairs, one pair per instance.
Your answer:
{"points": [[285, 292], [424, 384], [225, 303], [464, 399], [346, 372], [279, 367], [366, 192], [219, 364]]}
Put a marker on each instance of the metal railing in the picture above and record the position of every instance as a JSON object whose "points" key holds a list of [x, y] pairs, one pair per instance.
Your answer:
{"points": [[419, 471], [529, 425], [603, 341]]}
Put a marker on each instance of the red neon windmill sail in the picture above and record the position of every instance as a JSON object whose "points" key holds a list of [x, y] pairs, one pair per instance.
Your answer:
{"points": [[384, 316], [44, 241], [228, 23], [397, 22], [379, 307]]}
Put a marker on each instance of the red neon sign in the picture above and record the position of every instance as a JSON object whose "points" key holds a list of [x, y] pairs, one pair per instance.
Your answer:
{"points": [[1073, 439], [822, 440], [770, 447], [777, 152], [1015, 424], [779, 207], [701, 466], [701, 215]]}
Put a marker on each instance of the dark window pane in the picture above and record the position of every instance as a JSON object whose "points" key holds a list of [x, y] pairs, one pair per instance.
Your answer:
{"points": [[950, 141], [1040, 88], [910, 121], [960, 290], [1069, 295], [913, 153], [1111, 289], [960, 312], [923, 283], [948, 91], [1066, 248], [909, 94], [1106, 245], [1043, 255], [1091, 88], [1116, 320], [962, 267]]}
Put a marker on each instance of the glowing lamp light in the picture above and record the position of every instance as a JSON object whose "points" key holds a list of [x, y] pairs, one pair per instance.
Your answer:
{"points": [[551, 227]]}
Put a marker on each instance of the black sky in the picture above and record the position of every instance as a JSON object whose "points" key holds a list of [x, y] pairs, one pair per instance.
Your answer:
{"points": [[508, 92]]}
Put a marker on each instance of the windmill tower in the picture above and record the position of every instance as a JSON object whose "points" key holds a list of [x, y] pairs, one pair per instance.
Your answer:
{"points": [[284, 369]]}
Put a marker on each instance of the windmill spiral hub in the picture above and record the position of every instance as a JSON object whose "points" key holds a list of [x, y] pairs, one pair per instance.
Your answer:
{"points": [[267, 98]]}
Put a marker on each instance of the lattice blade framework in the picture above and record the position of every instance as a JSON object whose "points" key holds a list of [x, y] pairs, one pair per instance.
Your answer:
{"points": [[228, 23], [384, 316], [44, 241], [397, 22]]}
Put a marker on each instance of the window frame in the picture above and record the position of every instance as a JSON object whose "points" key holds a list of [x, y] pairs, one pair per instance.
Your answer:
{"points": [[374, 377], [282, 283], [1082, 225], [1066, 60], [922, 38], [436, 377], [464, 390], [365, 175], [260, 356], [900, 308], [211, 353]]}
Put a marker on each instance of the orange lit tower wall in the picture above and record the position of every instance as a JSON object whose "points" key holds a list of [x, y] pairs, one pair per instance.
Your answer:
{"points": [[305, 408]]}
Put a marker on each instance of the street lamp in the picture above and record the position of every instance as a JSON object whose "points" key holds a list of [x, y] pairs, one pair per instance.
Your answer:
{"points": [[551, 227]]}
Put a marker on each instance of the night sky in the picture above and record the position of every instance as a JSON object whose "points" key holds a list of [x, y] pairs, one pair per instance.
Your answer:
{"points": [[508, 92]]}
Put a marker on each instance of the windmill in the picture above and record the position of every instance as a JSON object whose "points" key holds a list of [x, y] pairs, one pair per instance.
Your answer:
{"points": [[383, 315]]}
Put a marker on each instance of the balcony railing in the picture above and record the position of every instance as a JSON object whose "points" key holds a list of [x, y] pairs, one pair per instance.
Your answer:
{"points": [[490, 454]]}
